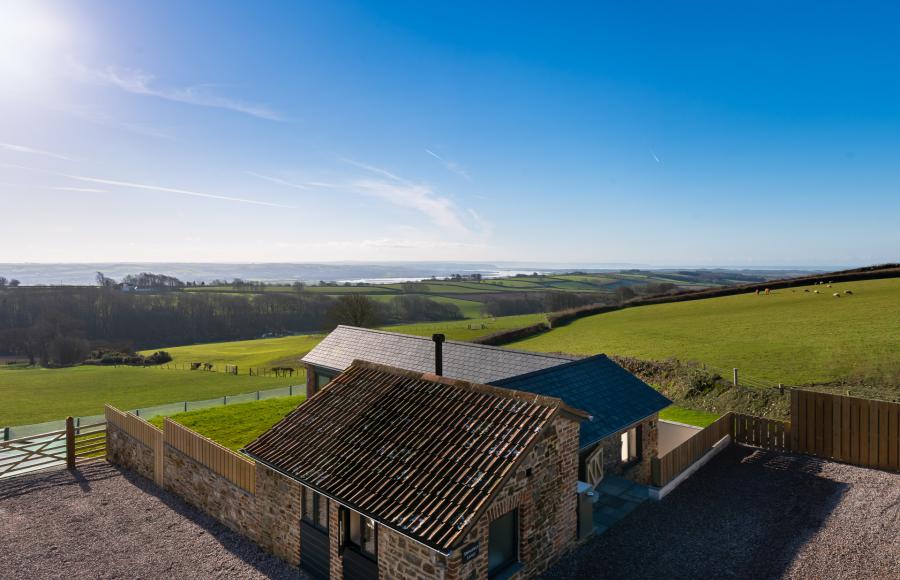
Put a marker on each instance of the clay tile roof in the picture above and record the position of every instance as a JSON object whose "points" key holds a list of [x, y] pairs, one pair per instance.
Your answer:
{"points": [[477, 363], [421, 455]]}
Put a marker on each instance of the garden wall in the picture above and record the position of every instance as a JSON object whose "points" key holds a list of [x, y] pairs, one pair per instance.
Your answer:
{"points": [[251, 499]]}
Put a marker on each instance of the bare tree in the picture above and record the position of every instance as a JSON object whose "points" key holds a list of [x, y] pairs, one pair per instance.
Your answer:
{"points": [[355, 310]]}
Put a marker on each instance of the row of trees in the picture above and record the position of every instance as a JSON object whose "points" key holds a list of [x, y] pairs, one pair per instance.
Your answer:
{"points": [[60, 326], [12, 283]]}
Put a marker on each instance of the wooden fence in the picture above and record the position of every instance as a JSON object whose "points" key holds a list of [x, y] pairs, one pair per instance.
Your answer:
{"points": [[762, 432], [666, 468], [858, 431], [237, 469], [142, 431]]}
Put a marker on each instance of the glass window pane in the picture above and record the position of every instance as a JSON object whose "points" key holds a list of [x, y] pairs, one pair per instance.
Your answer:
{"points": [[503, 542], [308, 505], [355, 529], [369, 536], [625, 446]]}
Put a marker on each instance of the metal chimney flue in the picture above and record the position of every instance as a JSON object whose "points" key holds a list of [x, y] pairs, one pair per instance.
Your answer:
{"points": [[438, 353]]}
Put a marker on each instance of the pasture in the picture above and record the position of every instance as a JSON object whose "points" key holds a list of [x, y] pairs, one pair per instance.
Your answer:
{"points": [[35, 395], [790, 336], [234, 426]]}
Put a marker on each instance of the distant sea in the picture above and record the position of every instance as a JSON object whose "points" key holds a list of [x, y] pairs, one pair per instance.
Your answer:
{"points": [[373, 273], [368, 272]]}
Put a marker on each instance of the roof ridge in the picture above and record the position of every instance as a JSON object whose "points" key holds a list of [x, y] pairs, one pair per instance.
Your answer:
{"points": [[524, 396], [464, 343], [557, 368]]}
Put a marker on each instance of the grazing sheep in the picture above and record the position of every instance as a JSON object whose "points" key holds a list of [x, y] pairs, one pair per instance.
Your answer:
{"points": [[848, 291], [817, 292], [837, 294], [829, 285], [807, 290]]}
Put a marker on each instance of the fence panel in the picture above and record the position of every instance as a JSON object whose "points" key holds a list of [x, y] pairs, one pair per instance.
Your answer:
{"points": [[143, 432], [236, 468], [761, 432], [667, 467], [858, 431]]}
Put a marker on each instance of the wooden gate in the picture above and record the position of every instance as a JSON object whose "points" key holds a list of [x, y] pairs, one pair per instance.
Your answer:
{"points": [[67, 447], [848, 429]]}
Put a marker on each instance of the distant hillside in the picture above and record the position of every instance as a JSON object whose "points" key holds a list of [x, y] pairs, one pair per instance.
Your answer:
{"points": [[792, 335]]}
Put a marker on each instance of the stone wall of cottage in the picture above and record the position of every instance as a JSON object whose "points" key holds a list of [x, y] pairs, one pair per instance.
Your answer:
{"points": [[124, 450], [542, 488], [400, 557], [270, 517], [612, 452]]}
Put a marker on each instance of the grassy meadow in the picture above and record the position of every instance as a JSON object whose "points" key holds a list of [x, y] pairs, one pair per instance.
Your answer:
{"points": [[234, 426], [790, 336], [38, 395]]}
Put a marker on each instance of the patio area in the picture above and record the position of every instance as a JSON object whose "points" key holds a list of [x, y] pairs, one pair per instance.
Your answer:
{"points": [[615, 498]]}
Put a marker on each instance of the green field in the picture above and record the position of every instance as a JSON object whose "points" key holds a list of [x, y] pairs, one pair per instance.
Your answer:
{"points": [[38, 395], [261, 352], [468, 329], [688, 416], [234, 426], [789, 336]]}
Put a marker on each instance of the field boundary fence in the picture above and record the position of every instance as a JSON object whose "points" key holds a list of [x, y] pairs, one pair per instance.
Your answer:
{"points": [[231, 369], [17, 432], [70, 446]]}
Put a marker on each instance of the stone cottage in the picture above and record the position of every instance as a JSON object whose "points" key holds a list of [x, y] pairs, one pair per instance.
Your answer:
{"points": [[407, 474], [621, 436]]}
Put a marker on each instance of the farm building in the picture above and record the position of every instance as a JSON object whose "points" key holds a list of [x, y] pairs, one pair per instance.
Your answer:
{"points": [[621, 436], [411, 475]]}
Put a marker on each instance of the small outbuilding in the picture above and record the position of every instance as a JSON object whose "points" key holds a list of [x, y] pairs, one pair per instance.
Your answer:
{"points": [[407, 474]]}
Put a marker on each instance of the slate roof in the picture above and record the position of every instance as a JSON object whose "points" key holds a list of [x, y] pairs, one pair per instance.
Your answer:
{"points": [[613, 397], [476, 363], [421, 454]]}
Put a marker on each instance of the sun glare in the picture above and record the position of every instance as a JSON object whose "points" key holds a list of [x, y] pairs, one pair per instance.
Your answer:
{"points": [[31, 37]]}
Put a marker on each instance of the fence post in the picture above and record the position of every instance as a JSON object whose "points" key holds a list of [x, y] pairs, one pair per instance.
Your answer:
{"points": [[225, 400], [70, 443], [735, 380], [257, 395], [6, 433], [185, 406], [290, 392], [781, 388]]}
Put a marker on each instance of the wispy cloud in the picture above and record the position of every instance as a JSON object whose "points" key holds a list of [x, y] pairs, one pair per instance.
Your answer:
{"points": [[139, 82], [141, 186], [450, 165], [78, 189], [105, 120], [31, 150], [280, 181], [148, 187], [404, 193]]}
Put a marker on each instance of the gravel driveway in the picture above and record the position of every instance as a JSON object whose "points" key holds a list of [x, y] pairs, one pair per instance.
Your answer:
{"points": [[756, 514], [102, 522]]}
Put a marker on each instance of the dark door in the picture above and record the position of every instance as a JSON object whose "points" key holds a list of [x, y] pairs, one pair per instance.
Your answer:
{"points": [[314, 553]]}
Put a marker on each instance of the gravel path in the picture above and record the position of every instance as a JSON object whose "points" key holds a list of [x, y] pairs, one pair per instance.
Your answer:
{"points": [[756, 514], [101, 522]]}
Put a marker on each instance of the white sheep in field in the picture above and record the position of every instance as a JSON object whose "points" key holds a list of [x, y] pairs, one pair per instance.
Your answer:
{"points": [[816, 292], [837, 294]]}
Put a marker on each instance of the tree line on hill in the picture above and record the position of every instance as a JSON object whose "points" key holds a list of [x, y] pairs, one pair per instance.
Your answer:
{"points": [[60, 326]]}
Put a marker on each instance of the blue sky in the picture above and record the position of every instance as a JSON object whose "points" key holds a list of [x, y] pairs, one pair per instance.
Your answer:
{"points": [[720, 133]]}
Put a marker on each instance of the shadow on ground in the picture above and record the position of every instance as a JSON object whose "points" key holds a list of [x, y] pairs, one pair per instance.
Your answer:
{"points": [[104, 521], [744, 515]]}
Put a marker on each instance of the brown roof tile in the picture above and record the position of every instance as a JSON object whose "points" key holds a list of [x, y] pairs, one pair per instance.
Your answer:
{"points": [[422, 455]]}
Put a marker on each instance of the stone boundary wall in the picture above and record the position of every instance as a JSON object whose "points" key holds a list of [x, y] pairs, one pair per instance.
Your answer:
{"points": [[123, 449], [269, 516]]}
